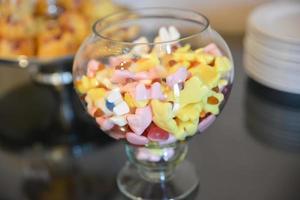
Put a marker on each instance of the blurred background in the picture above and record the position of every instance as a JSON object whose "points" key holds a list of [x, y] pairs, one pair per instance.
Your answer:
{"points": [[228, 16], [51, 149]]}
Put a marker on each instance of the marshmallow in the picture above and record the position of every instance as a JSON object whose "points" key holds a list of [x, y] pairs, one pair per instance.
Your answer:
{"points": [[114, 96], [136, 139], [156, 92], [140, 120], [119, 120], [101, 103], [212, 49], [121, 108], [205, 123], [141, 93], [173, 33], [140, 49], [110, 106], [92, 67], [105, 124], [178, 77], [120, 76]]}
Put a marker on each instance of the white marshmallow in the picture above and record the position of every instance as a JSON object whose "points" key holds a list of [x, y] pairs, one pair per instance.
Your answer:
{"points": [[142, 48], [121, 108], [173, 33], [114, 96], [101, 104], [119, 120]]}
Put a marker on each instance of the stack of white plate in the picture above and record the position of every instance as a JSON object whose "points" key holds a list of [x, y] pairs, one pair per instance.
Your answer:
{"points": [[272, 46]]}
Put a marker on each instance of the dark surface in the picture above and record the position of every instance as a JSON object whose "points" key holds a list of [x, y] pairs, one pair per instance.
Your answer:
{"points": [[252, 152]]}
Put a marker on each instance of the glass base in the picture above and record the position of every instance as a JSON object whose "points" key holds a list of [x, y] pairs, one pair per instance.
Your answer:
{"points": [[180, 185]]}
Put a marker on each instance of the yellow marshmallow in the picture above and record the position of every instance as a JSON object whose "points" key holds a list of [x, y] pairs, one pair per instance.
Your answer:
{"points": [[209, 75], [132, 103], [86, 84], [187, 128], [145, 63], [184, 49], [96, 94], [194, 91], [163, 116], [213, 108], [189, 112], [204, 58], [184, 56], [222, 64]]}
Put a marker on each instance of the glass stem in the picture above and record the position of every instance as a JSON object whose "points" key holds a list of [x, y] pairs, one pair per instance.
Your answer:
{"points": [[160, 171]]}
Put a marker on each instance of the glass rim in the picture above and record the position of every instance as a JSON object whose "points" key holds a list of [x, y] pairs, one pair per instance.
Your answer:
{"points": [[101, 20]]}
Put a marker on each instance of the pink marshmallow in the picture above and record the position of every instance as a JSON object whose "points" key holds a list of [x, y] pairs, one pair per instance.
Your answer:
{"points": [[92, 67], [129, 87], [120, 76], [136, 139], [139, 121], [114, 61], [105, 124], [156, 92], [205, 123], [212, 49], [178, 77], [141, 92], [170, 140]]}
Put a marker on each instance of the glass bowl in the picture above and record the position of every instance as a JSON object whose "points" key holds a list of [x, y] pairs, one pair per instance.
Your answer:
{"points": [[167, 79]]}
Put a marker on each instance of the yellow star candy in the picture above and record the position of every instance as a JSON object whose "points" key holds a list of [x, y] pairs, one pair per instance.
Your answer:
{"points": [[193, 92], [189, 112], [95, 94], [212, 103], [86, 84], [145, 63], [187, 128], [204, 58], [184, 56], [184, 49], [163, 116], [222, 64], [209, 75]]}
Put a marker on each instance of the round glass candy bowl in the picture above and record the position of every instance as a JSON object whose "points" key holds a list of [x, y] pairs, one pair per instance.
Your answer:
{"points": [[167, 81]]}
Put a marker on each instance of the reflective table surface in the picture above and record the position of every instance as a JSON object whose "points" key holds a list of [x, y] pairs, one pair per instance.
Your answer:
{"points": [[50, 149]]}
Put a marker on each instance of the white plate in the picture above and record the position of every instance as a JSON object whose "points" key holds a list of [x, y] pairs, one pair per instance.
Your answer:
{"points": [[280, 74], [274, 63], [274, 43], [275, 85], [279, 20], [266, 51], [272, 74], [272, 80]]}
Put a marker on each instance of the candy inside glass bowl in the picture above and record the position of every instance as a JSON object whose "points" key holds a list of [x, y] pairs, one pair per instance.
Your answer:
{"points": [[168, 79], [167, 82]]}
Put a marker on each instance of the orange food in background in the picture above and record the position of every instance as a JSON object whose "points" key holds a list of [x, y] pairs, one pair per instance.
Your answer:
{"points": [[36, 28]]}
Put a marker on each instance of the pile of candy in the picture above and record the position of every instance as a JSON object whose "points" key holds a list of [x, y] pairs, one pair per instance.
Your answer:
{"points": [[156, 95]]}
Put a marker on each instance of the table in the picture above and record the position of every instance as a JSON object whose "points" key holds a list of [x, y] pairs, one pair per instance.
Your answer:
{"points": [[250, 152]]}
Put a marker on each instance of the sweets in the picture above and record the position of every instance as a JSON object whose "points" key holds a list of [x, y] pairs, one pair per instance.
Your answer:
{"points": [[48, 29], [156, 95]]}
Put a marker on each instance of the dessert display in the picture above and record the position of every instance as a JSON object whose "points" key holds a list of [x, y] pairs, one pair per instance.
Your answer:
{"points": [[166, 81], [156, 94], [47, 29]]}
